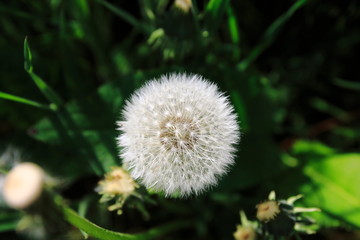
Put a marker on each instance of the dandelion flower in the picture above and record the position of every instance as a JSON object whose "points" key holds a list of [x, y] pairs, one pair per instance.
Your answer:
{"points": [[267, 210], [178, 134], [23, 185], [244, 233], [117, 182], [117, 185]]}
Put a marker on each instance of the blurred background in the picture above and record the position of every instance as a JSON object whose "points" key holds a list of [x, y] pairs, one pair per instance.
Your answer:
{"points": [[291, 69]]}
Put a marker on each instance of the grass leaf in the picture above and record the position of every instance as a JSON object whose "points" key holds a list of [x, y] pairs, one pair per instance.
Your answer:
{"points": [[347, 84], [47, 91], [333, 187], [126, 16], [214, 11], [14, 98], [101, 233], [270, 35]]}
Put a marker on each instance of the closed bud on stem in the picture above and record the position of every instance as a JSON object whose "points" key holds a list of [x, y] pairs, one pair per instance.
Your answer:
{"points": [[117, 185], [244, 233], [183, 5], [23, 185]]}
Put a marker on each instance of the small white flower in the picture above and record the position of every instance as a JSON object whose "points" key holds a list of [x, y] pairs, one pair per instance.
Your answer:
{"points": [[178, 134]]}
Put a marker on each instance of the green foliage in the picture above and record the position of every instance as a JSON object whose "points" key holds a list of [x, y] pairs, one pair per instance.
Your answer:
{"points": [[8, 221], [332, 187], [289, 68]]}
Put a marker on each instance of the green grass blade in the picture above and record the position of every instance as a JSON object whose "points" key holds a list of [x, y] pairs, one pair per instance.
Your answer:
{"points": [[8, 226], [233, 26], [215, 10], [234, 32], [126, 16], [5, 10], [347, 84], [101, 233], [48, 92], [28, 57], [83, 6], [8, 221], [270, 35], [92, 229], [14, 98], [214, 7]]}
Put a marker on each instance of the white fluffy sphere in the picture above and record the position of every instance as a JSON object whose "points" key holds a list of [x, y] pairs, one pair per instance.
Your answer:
{"points": [[178, 134]]}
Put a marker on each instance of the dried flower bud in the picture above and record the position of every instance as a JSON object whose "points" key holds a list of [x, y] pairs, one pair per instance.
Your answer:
{"points": [[267, 210], [117, 182], [118, 185], [23, 185], [183, 5], [245, 233]]}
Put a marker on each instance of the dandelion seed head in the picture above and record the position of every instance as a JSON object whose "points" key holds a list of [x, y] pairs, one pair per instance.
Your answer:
{"points": [[177, 134]]}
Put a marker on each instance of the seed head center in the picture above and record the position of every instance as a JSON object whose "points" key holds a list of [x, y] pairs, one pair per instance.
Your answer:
{"points": [[178, 133]]}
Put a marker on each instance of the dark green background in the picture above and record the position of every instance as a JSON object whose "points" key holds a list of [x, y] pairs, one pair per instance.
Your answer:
{"points": [[291, 70]]}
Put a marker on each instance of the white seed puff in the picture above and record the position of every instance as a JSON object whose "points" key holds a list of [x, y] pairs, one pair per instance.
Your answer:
{"points": [[177, 134]]}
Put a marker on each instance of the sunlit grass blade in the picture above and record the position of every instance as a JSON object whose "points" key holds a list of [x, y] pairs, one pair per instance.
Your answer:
{"points": [[215, 10], [270, 35], [8, 221], [234, 31], [14, 98], [233, 26], [214, 7], [83, 6], [8, 226], [101, 233], [83, 208], [48, 92], [126, 16]]}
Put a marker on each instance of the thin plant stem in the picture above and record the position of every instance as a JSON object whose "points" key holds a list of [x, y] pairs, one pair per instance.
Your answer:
{"points": [[126, 16], [270, 34]]}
